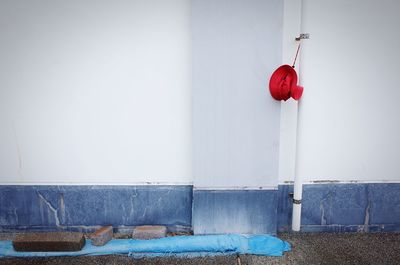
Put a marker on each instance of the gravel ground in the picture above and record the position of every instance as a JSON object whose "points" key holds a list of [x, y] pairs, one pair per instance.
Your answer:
{"points": [[379, 248], [348, 248]]}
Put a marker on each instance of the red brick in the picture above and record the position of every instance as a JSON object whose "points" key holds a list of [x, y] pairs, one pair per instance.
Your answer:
{"points": [[51, 241], [101, 236], [149, 232]]}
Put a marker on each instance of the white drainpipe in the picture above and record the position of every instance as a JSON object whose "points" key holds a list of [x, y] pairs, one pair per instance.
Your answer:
{"points": [[298, 182], [289, 153]]}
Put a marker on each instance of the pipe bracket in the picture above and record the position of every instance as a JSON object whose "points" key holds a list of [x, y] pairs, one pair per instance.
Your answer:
{"points": [[296, 201]]}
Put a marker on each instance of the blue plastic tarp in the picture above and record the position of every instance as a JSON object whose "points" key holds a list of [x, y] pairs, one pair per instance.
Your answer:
{"points": [[230, 244]]}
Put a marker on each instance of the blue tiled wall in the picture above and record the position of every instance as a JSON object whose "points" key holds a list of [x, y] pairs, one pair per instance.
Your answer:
{"points": [[82, 207], [235, 211], [369, 207], [326, 208]]}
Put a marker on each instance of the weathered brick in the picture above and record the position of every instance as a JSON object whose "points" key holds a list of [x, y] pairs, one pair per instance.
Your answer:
{"points": [[50, 241], [149, 232], [101, 236]]}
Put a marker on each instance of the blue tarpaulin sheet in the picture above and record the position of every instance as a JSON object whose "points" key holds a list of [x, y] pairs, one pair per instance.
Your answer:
{"points": [[218, 244]]}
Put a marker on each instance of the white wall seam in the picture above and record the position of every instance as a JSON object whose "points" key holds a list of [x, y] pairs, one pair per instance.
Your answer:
{"points": [[227, 188], [41, 183], [332, 182]]}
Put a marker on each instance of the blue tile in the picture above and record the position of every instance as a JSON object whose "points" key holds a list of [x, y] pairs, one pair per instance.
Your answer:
{"points": [[326, 208], [343, 208], [60, 207], [285, 207], [385, 203], [235, 211], [334, 204]]}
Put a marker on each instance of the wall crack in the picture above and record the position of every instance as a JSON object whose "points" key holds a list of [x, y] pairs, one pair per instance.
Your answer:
{"points": [[50, 207]]}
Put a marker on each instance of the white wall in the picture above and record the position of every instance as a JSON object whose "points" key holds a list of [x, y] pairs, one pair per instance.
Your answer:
{"points": [[236, 46], [349, 114], [95, 91], [101, 92]]}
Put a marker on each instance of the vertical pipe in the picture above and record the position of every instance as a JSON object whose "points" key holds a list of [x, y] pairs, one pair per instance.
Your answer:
{"points": [[288, 161], [298, 183]]}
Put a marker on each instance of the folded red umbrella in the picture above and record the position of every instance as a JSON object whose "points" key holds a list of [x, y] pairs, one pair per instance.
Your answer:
{"points": [[283, 84]]}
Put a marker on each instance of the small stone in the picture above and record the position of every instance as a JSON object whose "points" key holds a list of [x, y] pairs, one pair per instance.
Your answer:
{"points": [[149, 232], [50, 241], [101, 236]]}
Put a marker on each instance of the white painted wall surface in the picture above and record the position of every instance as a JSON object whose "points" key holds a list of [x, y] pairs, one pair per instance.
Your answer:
{"points": [[236, 46], [95, 91], [350, 111]]}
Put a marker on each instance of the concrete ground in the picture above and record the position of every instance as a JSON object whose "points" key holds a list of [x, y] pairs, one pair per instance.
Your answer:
{"points": [[379, 248]]}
